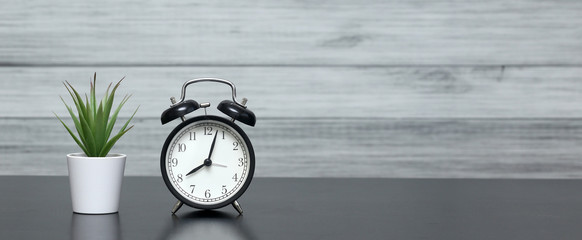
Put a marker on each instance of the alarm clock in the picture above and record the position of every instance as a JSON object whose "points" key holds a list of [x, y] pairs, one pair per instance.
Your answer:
{"points": [[207, 161]]}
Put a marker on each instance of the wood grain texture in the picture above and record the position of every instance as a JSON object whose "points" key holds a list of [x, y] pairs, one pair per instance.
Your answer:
{"points": [[327, 92], [342, 88], [300, 33], [471, 148]]}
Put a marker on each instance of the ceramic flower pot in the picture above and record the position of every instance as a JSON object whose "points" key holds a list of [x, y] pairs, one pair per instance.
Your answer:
{"points": [[95, 182]]}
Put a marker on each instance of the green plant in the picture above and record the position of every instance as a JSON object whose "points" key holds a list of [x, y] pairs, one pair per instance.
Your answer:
{"points": [[94, 123]]}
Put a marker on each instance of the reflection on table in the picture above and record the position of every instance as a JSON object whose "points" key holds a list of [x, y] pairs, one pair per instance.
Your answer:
{"points": [[207, 225], [95, 227]]}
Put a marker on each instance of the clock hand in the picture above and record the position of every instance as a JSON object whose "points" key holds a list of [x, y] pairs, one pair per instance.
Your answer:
{"points": [[218, 164], [212, 146], [196, 168], [207, 162]]}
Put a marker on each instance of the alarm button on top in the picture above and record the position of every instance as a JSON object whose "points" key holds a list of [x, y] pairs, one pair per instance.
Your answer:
{"points": [[179, 110], [237, 112]]}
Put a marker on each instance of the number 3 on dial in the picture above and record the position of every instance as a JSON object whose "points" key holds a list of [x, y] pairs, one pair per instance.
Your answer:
{"points": [[207, 162]]}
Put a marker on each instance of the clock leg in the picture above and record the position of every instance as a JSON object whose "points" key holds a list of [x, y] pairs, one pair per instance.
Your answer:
{"points": [[177, 206], [237, 207]]}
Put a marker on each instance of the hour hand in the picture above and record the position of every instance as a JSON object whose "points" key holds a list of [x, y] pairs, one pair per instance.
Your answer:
{"points": [[197, 168], [207, 162]]}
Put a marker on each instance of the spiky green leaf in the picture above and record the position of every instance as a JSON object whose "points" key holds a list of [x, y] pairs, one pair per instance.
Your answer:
{"points": [[129, 120], [114, 116], [73, 135], [112, 142], [100, 126]]}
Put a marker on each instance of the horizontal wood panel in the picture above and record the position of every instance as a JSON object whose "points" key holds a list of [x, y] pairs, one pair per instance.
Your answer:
{"points": [[371, 32], [329, 92], [471, 148]]}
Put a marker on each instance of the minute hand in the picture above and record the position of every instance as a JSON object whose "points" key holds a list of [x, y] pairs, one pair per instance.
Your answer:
{"points": [[212, 146]]}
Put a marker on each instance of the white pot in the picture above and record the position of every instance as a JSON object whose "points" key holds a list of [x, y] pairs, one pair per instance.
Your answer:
{"points": [[95, 182]]}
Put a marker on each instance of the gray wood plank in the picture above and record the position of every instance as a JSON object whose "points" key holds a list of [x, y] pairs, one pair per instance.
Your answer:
{"points": [[378, 147], [329, 92], [301, 33]]}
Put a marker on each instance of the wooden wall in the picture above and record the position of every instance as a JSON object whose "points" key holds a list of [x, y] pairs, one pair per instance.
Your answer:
{"points": [[375, 88]]}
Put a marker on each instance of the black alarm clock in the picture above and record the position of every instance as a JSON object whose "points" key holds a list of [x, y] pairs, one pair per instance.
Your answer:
{"points": [[207, 161]]}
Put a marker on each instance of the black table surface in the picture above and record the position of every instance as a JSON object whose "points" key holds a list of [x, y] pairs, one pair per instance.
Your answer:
{"points": [[306, 208]]}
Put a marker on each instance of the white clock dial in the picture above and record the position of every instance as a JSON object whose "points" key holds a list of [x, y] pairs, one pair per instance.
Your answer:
{"points": [[208, 162]]}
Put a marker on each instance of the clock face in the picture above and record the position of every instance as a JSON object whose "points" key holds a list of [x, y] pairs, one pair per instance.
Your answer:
{"points": [[207, 162]]}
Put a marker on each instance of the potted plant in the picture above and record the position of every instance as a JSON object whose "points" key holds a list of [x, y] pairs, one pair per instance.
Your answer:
{"points": [[95, 175]]}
